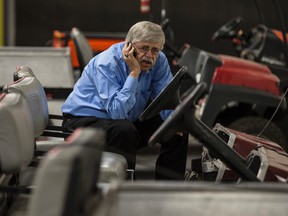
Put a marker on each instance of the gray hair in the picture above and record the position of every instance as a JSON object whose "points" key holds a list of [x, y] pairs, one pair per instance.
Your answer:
{"points": [[146, 31]]}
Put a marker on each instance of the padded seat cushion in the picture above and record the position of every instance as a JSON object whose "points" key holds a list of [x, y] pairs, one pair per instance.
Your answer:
{"points": [[33, 91], [68, 175], [16, 133]]}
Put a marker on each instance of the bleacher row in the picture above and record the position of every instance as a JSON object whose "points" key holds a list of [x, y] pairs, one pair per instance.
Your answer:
{"points": [[43, 165]]}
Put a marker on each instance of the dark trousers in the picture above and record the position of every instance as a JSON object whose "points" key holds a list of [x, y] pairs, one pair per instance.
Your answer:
{"points": [[125, 138]]}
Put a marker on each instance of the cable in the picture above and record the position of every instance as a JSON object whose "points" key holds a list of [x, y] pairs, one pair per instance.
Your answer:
{"points": [[273, 113]]}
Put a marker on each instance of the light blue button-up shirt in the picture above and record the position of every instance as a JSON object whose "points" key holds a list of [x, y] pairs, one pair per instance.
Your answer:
{"points": [[106, 90]]}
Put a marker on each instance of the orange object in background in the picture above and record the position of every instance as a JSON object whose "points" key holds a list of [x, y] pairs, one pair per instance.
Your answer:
{"points": [[98, 41], [279, 34]]}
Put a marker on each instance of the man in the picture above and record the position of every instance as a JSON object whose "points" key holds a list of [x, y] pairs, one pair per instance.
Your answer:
{"points": [[113, 91]]}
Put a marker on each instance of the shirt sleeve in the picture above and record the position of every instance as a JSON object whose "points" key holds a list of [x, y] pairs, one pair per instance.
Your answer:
{"points": [[116, 98]]}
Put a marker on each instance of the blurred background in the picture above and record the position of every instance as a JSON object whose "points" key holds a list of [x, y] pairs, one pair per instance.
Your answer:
{"points": [[32, 22]]}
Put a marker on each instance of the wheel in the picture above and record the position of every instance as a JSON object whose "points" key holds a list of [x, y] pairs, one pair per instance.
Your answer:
{"points": [[254, 125], [168, 97]]}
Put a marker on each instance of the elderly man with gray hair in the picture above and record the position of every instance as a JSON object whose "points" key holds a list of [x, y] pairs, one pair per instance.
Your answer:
{"points": [[114, 90]]}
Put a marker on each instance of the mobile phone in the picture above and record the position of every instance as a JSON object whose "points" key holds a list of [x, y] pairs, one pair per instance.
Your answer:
{"points": [[135, 52]]}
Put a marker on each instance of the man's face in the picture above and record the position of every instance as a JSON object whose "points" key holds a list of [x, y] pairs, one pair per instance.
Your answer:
{"points": [[147, 54]]}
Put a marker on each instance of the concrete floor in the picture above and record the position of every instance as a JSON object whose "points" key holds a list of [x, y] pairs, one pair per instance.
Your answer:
{"points": [[146, 158]]}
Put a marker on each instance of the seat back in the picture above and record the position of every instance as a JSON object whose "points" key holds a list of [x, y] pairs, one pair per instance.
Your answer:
{"points": [[67, 177], [84, 51], [16, 133], [22, 71], [32, 90]]}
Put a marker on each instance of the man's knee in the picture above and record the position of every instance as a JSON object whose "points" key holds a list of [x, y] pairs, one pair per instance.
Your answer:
{"points": [[124, 135], [125, 128]]}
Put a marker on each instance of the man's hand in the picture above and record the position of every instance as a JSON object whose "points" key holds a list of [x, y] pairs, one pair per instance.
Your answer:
{"points": [[131, 60]]}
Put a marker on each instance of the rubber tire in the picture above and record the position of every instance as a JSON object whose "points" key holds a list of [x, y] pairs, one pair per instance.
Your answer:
{"points": [[254, 125]]}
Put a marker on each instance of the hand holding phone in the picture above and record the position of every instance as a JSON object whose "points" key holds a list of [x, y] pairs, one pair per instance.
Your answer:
{"points": [[132, 62]]}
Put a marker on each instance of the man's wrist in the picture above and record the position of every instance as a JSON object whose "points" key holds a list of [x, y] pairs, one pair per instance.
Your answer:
{"points": [[135, 74]]}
